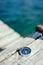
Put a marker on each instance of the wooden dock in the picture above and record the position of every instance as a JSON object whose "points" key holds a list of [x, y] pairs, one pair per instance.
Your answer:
{"points": [[11, 41]]}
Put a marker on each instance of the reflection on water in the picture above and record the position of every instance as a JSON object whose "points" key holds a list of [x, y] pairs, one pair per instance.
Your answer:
{"points": [[22, 15]]}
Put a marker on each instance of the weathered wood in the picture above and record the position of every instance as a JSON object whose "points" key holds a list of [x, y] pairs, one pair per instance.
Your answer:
{"points": [[5, 33], [36, 59], [4, 28], [9, 39], [12, 48], [35, 47], [8, 36]]}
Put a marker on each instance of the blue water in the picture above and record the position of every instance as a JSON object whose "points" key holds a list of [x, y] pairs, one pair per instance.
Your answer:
{"points": [[22, 15]]}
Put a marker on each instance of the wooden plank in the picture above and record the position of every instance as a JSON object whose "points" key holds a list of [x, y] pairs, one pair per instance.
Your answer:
{"points": [[4, 28], [36, 59], [35, 47], [13, 58], [12, 48], [9, 39], [7, 32], [21, 60], [17, 60]]}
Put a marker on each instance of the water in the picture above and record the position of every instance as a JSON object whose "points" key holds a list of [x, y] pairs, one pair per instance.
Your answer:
{"points": [[22, 15]]}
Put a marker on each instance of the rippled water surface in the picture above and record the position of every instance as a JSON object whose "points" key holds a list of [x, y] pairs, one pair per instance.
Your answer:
{"points": [[22, 15]]}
